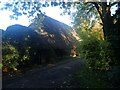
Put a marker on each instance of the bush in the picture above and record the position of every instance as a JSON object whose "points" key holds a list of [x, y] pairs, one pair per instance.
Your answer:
{"points": [[97, 52], [10, 56], [106, 55]]}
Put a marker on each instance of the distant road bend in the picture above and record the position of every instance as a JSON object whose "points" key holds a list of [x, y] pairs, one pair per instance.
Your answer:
{"points": [[57, 76]]}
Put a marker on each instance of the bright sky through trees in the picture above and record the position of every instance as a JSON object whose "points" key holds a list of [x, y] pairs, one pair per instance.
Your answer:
{"points": [[53, 12]]}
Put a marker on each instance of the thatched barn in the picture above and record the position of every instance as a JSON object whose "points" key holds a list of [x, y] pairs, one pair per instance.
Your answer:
{"points": [[52, 41]]}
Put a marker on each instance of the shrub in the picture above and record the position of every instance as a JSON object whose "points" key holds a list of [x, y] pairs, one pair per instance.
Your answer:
{"points": [[10, 56], [106, 55], [97, 52]]}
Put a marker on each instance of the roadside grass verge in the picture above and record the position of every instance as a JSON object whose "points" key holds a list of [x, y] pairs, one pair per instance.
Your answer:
{"points": [[90, 79]]}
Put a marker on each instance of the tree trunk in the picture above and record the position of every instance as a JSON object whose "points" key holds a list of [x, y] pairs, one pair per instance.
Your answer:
{"points": [[111, 31], [107, 21]]}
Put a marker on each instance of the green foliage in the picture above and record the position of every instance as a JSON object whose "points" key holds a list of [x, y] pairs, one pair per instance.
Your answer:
{"points": [[0, 66], [90, 79], [98, 53], [84, 15], [38, 20], [10, 56], [26, 55]]}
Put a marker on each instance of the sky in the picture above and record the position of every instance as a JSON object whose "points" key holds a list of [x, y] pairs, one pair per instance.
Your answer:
{"points": [[53, 12]]}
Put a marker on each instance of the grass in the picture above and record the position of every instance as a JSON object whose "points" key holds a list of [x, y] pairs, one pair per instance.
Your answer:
{"points": [[90, 79]]}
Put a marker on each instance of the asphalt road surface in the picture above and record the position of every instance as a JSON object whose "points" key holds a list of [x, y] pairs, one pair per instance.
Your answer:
{"points": [[52, 76]]}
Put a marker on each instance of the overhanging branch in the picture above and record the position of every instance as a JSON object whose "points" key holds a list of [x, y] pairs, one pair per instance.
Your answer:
{"points": [[98, 9]]}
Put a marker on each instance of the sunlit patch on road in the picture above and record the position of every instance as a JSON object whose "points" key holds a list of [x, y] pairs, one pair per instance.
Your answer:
{"points": [[51, 65], [67, 67]]}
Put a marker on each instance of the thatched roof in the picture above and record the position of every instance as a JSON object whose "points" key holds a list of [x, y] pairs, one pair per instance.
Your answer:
{"points": [[54, 34]]}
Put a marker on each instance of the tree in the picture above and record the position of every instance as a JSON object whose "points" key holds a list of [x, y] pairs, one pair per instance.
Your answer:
{"points": [[109, 22], [83, 15]]}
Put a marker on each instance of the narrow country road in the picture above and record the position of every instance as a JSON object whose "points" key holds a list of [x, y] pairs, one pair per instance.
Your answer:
{"points": [[58, 76]]}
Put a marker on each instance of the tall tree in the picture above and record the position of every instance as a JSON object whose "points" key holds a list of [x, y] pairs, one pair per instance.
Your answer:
{"points": [[110, 23]]}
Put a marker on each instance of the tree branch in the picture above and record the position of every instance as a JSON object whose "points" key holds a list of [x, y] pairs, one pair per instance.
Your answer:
{"points": [[98, 9], [112, 4]]}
